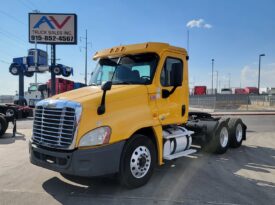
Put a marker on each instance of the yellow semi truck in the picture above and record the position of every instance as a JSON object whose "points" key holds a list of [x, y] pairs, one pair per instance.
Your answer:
{"points": [[133, 117]]}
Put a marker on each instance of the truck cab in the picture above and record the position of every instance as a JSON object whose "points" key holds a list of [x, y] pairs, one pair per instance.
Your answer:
{"points": [[133, 116]]}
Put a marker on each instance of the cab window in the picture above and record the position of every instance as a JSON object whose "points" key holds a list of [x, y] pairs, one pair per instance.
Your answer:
{"points": [[171, 68]]}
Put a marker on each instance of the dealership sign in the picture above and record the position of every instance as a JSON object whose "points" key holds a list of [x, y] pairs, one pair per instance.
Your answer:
{"points": [[52, 28]]}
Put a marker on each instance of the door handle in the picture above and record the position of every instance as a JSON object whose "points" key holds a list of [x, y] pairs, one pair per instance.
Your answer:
{"points": [[183, 110]]}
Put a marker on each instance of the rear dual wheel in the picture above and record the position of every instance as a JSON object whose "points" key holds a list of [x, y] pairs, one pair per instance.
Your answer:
{"points": [[220, 141], [229, 134], [236, 132]]}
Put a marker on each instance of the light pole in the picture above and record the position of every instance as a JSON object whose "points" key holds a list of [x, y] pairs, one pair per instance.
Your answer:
{"points": [[259, 74], [217, 80], [86, 53], [187, 40], [229, 79], [212, 75]]}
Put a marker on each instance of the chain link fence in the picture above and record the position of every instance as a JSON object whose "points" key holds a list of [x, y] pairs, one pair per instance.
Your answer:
{"points": [[6, 99], [233, 102]]}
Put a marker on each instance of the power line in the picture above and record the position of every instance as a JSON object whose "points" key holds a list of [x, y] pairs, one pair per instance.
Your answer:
{"points": [[25, 5], [4, 31], [12, 17], [3, 61], [18, 43], [31, 3]]}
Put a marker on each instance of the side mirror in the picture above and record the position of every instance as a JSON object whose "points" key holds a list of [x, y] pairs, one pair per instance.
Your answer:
{"points": [[176, 74], [106, 86]]}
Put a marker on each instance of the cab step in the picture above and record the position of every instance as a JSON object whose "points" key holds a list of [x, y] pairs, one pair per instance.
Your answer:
{"points": [[180, 154]]}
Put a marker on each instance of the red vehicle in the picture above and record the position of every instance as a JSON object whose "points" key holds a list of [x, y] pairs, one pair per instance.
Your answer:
{"points": [[251, 90], [240, 91], [14, 110], [62, 85], [200, 90]]}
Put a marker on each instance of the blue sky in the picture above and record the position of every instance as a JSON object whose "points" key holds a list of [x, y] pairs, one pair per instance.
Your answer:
{"points": [[237, 32]]}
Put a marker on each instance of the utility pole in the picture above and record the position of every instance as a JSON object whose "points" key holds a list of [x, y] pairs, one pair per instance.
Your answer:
{"points": [[188, 40], [217, 80], [212, 75], [259, 74], [86, 54], [86, 58], [229, 78]]}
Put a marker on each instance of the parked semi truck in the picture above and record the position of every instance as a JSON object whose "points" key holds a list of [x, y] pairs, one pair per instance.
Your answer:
{"points": [[200, 90], [133, 116], [40, 91]]}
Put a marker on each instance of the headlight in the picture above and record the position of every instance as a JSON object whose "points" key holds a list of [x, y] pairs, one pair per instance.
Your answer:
{"points": [[97, 136]]}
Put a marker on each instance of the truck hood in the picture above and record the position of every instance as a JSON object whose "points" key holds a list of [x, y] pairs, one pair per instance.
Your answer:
{"points": [[91, 92]]}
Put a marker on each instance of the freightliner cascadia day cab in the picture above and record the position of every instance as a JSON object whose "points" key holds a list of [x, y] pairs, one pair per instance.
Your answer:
{"points": [[133, 117]]}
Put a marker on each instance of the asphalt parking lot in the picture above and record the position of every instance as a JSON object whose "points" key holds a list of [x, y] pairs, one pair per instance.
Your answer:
{"points": [[241, 176]]}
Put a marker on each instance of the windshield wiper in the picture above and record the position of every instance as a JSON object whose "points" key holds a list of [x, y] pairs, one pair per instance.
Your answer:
{"points": [[122, 82], [127, 83]]}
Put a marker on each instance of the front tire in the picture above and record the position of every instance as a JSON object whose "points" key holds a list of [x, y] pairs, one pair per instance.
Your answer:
{"points": [[3, 125], [10, 112], [137, 161], [57, 70], [14, 69]]}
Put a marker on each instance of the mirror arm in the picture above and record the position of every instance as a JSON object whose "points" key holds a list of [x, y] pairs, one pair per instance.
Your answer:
{"points": [[173, 90], [170, 92], [101, 107]]}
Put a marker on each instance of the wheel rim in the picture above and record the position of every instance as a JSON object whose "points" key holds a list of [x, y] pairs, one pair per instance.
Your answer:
{"points": [[14, 70], [140, 162], [224, 137], [0, 126], [56, 70], [10, 113], [239, 132]]}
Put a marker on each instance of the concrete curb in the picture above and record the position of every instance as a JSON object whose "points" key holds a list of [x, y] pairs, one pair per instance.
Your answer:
{"points": [[241, 113]]}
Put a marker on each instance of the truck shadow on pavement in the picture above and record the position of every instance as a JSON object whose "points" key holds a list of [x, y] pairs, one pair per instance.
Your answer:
{"points": [[9, 139], [242, 175]]}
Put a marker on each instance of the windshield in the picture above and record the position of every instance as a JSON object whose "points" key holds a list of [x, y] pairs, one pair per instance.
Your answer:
{"points": [[129, 69]]}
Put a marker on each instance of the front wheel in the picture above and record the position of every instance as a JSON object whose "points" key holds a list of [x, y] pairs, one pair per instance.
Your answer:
{"points": [[57, 70], [137, 161], [14, 69], [3, 125]]}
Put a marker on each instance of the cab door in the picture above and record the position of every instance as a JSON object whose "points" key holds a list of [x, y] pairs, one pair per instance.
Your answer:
{"points": [[171, 89]]}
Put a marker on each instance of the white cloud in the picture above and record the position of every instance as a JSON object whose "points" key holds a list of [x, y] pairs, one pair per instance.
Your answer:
{"points": [[249, 75], [207, 25], [199, 23]]}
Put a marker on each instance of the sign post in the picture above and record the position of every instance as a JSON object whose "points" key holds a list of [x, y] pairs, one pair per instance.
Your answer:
{"points": [[53, 62], [53, 29]]}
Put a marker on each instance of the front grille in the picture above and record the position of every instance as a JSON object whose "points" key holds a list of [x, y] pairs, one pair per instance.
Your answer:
{"points": [[54, 127]]}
